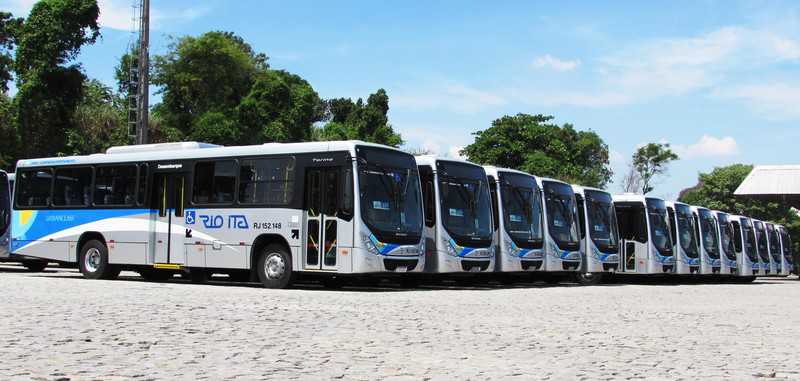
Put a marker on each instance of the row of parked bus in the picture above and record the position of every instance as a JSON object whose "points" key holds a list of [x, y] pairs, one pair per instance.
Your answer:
{"points": [[276, 212]]}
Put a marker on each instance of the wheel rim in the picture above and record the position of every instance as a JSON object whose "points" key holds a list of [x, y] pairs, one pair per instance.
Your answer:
{"points": [[274, 266], [92, 260]]}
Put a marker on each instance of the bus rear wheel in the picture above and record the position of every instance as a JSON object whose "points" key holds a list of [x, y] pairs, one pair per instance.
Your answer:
{"points": [[93, 261], [274, 267]]}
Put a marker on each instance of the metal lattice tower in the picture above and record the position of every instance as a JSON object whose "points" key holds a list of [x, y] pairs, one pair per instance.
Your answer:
{"points": [[138, 75]]}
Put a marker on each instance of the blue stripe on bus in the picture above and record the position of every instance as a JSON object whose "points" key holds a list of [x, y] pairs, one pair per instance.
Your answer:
{"points": [[32, 225]]}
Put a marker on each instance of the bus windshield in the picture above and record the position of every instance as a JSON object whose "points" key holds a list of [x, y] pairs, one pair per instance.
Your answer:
{"points": [[522, 209], [774, 242], [749, 240], [763, 246], [726, 236], [561, 216], [708, 226], [787, 243], [687, 229], [389, 192], [602, 221], [659, 226], [466, 206]]}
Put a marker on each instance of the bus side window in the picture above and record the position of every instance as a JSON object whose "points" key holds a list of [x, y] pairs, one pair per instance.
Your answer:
{"points": [[580, 204], [141, 194], [214, 182], [34, 188], [348, 194], [673, 229], [495, 206], [428, 195], [737, 236]]}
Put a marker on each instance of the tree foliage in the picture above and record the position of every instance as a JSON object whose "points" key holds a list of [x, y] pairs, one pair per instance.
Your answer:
{"points": [[650, 161], [715, 191], [9, 29], [49, 87], [359, 120], [533, 144], [98, 122]]}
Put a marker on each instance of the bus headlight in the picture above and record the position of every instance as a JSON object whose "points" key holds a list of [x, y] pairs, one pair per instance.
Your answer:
{"points": [[450, 249]]}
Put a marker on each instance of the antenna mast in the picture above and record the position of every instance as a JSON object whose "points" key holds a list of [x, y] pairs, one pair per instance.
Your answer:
{"points": [[139, 75]]}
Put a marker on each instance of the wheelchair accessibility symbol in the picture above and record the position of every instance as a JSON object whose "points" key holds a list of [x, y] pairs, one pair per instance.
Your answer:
{"points": [[190, 217]]}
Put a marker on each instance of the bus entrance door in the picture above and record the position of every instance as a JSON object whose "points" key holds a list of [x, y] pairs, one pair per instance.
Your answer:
{"points": [[5, 215], [169, 197], [322, 193]]}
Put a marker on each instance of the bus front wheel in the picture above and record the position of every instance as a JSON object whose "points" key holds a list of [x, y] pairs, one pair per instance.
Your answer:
{"points": [[93, 261], [274, 267]]}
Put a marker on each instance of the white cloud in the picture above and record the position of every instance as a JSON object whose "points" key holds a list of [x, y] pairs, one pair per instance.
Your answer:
{"points": [[773, 101], [666, 67], [454, 152], [708, 146], [549, 62], [457, 98], [118, 14]]}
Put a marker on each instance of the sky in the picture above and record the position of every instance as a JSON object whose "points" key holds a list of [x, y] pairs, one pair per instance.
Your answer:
{"points": [[718, 80]]}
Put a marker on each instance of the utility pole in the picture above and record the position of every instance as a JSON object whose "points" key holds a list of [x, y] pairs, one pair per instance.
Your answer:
{"points": [[143, 88]]}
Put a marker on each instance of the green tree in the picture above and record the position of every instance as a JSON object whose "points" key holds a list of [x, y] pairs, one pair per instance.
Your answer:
{"points": [[715, 191], [9, 144], [281, 107], [9, 29], [49, 87], [532, 144], [210, 73], [358, 120], [99, 121], [650, 161]]}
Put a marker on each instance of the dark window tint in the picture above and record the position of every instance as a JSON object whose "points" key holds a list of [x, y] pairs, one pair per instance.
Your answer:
{"points": [[737, 236], [495, 207], [5, 203], [581, 215], [115, 186], [33, 188], [266, 181], [72, 187], [142, 192], [428, 195], [214, 182]]}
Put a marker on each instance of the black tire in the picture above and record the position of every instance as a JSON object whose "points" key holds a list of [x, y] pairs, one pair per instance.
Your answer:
{"points": [[589, 279], [93, 261], [155, 275], [274, 267], [35, 266]]}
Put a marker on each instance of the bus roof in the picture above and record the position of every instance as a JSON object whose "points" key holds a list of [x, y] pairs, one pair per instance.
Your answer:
{"points": [[194, 150], [492, 170]]}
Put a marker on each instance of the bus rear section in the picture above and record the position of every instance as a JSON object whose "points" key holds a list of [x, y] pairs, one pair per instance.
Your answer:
{"points": [[459, 236], [727, 249], [518, 219], [598, 231], [645, 235], [685, 239], [562, 242]]}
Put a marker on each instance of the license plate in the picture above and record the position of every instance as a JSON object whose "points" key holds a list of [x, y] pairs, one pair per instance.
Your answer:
{"points": [[475, 269], [401, 269]]}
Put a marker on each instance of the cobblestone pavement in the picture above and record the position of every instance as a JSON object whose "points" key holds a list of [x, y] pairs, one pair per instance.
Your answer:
{"points": [[56, 325]]}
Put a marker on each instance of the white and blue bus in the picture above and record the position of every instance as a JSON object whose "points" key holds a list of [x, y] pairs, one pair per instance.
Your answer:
{"points": [[728, 260], [645, 235], [518, 219], [709, 241], [744, 239], [562, 242], [762, 244], [786, 248], [264, 212], [459, 236], [683, 226], [775, 254], [599, 234]]}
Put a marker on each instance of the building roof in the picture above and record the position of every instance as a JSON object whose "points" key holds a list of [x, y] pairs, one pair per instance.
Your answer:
{"points": [[779, 183]]}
